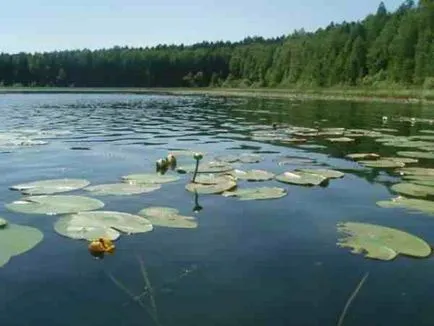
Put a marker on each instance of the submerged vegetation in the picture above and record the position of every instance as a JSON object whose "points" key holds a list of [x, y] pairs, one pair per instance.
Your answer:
{"points": [[383, 50]]}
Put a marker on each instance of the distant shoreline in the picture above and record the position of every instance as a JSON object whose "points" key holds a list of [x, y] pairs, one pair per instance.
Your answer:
{"points": [[412, 96]]}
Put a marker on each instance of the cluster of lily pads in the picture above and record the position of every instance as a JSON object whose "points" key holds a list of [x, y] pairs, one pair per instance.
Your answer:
{"points": [[415, 191]]}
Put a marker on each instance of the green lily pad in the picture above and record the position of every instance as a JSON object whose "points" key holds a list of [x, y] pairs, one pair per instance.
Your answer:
{"points": [[405, 160], [425, 155], [326, 173], [301, 178], [16, 240], [294, 160], [412, 189], [3, 223], [212, 178], [52, 205], [379, 242], [150, 178], [205, 189], [168, 217], [421, 205], [259, 193], [425, 131], [121, 189], [421, 180], [382, 163], [363, 156], [210, 167], [385, 130], [312, 146], [250, 158], [227, 158], [417, 171], [101, 224], [253, 175], [341, 140], [49, 187]]}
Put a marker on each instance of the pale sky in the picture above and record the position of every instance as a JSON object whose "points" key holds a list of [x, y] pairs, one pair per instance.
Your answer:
{"points": [[47, 25]]}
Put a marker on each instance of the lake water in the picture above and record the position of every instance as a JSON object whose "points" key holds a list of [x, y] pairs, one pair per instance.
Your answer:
{"points": [[265, 262]]}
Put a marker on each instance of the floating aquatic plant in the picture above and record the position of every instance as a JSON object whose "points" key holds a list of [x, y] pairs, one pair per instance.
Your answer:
{"points": [[326, 173], [253, 175], [301, 178], [17, 239], [363, 156], [168, 217], [417, 205], [52, 205], [257, 193], [101, 224], [49, 187], [379, 242], [414, 190], [122, 189], [149, 178]]}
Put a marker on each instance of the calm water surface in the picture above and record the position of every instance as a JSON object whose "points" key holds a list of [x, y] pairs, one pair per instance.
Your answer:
{"points": [[248, 263]]}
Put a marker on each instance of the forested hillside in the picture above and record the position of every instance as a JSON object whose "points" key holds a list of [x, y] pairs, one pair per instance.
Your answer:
{"points": [[385, 48]]}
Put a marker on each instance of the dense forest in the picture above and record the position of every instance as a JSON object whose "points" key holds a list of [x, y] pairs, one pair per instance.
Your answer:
{"points": [[385, 48]]}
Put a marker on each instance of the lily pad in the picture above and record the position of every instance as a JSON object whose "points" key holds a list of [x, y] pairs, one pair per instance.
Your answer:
{"points": [[168, 217], [341, 140], [3, 223], [379, 242], [16, 240], [363, 156], [253, 175], [49, 187], [216, 188], [101, 224], [213, 178], [301, 178], [150, 178], [425, 155], [421, 205], [382, 163], [413, 190], [294, 160], [52, 205], [417, 171], [326, 173], [227, 158], [210, 167], [257, 193], [121, 189], [250, 158], [405, 160]]}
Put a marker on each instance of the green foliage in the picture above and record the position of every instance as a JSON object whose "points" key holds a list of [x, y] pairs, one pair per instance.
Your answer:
{"points": [[384, 49]]}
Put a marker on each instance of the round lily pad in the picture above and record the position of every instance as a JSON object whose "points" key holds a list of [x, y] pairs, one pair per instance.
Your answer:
{"points": [[253, 175], [211, 188], [363, 156], [16, 240], [52, 205], [210, 167], [341, 140], [326, 173], [301, 178], [382, 163], [3, 223], [227, 158], [212, 178], [425, 155], [120, 189], [257, 193], [250, 158], [413, 190], [405, 160], [168, 217], [379, 242], [417, 171], [150, 178], [293, 160], [421, 205], [100, 224], [49, 187]]}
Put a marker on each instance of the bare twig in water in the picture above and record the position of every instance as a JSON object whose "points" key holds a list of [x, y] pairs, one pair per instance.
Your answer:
{"points": [[148, 288], [350, 299]]}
